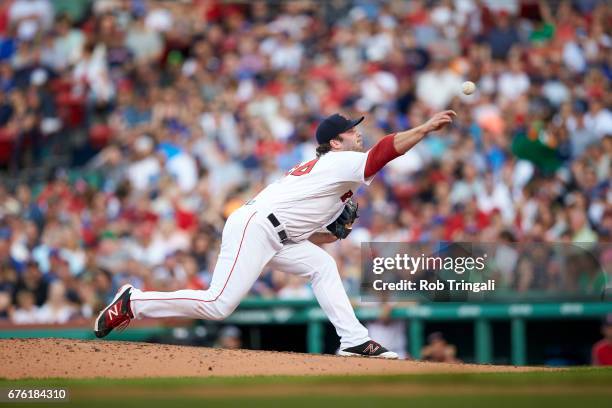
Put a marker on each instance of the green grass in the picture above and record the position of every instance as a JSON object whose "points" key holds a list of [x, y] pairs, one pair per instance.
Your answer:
{"points": [[579, 375], [351, 402], [578, 387]]}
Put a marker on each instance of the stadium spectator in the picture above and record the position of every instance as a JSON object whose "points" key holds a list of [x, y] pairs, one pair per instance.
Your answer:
{"points": [[26, 311], [230, 338], [602, 350], [438, 350], [5, 305], [57, 308]]}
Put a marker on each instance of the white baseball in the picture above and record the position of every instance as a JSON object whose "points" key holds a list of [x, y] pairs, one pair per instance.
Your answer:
{"points": [[468, 87]]}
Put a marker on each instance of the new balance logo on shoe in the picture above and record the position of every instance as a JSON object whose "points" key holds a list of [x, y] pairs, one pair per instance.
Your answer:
{"points": [[115, 310], [368, 349], [371, 349]]}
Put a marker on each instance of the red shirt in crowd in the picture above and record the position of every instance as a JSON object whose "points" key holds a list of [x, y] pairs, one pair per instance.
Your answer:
{"points": [[602, 353]]}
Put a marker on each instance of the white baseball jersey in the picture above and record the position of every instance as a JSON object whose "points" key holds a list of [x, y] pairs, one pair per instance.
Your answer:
{"points": [[312, 194]]}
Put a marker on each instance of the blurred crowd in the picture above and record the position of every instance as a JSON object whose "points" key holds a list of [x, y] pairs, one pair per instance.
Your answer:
{"points": [[169, 115]]}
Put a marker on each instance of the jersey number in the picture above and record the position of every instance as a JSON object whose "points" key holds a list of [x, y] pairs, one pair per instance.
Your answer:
{"points": [[304, 168]]}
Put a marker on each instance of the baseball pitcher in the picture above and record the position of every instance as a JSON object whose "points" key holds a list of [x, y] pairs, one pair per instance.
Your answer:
{"points": [[282, 227]]}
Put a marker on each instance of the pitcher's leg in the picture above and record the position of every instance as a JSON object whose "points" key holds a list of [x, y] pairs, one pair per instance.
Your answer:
{"points": [[246, 247], [308, 260]]}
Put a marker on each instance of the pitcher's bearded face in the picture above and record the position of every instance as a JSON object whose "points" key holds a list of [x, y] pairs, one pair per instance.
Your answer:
{"points": [[351, 140]]}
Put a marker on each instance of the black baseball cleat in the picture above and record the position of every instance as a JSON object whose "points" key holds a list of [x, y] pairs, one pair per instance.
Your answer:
{"points": [[368, 349], [116, 315]]}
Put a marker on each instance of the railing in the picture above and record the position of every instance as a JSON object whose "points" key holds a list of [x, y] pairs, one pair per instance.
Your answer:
{"points": [[255, 312]]}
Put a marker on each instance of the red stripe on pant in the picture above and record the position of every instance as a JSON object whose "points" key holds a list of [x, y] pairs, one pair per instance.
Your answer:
{"points": [[228, 277]]}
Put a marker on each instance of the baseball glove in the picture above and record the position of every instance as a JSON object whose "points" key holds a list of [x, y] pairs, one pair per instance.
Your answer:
{"points": [[343, 225]]}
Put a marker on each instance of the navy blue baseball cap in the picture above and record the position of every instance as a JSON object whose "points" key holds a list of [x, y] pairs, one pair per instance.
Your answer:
{"points": [[333, 125]]}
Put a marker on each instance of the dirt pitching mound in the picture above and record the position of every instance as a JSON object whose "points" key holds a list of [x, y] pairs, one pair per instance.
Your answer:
{"points": [[64, 358]]}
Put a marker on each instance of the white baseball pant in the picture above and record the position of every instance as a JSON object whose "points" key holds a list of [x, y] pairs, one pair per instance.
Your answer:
{"points": [[249, 242]]}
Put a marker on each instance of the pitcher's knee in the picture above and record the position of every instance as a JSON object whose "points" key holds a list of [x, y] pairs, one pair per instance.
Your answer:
{"points": [[220, 310], [327, 266]]}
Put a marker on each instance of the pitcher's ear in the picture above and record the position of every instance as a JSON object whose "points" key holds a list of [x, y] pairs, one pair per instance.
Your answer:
{"points": [[335, 143]]}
